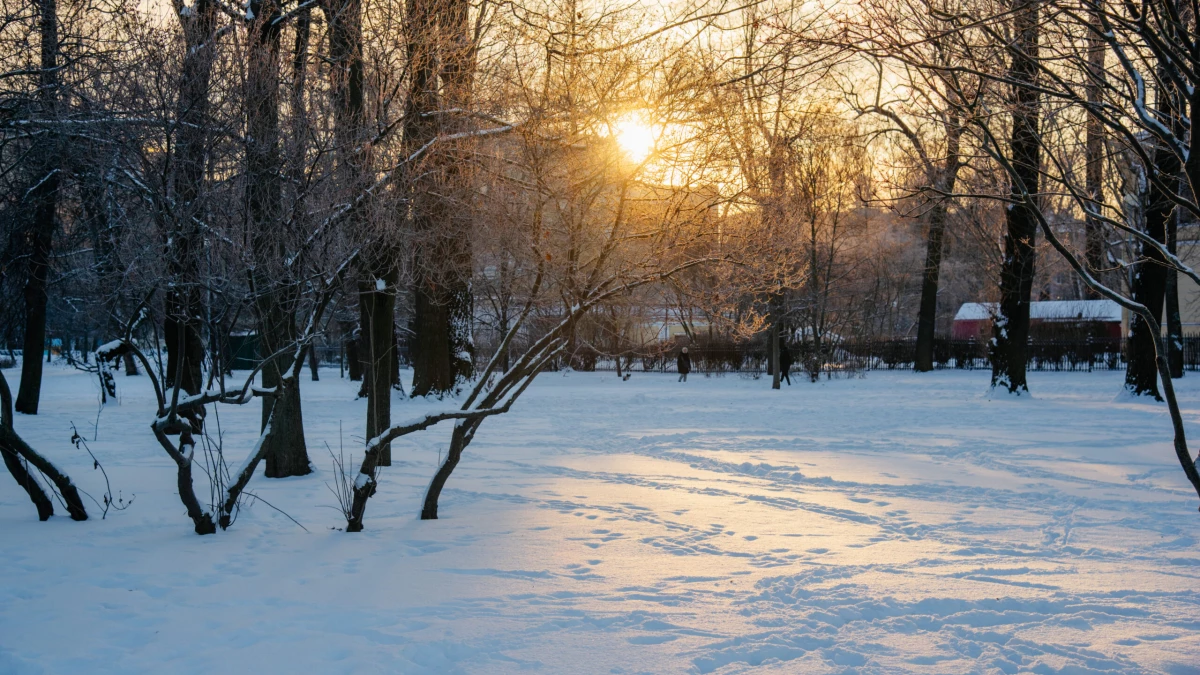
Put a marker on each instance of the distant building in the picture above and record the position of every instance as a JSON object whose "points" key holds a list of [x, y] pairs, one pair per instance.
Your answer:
{"points": [[1063, 319]]}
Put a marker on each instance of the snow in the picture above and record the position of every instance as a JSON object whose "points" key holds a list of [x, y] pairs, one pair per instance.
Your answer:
{"points": [[108, 347], [895, 523], [1048, 310]]}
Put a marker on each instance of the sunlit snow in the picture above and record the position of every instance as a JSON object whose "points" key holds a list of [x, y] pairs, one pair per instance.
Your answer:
{"points": [[894, 523]]}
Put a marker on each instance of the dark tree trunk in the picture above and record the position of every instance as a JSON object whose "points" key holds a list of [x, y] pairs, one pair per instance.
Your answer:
{"points": [[12, 460], [1149, 289], [930, 276], [45, 508], [42, 201], [775, 369], [353, 359], [944, 180], [377, 295], [1174, 320], [1094, 248], [442, 354], [15, 449], [1150, 277], [286, 453], [183, 323], [1009, 353], [379, 309], [459, 440], [927, 315]]}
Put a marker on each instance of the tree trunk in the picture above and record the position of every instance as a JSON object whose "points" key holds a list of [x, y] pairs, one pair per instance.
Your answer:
{"points": [[1174, 320], [353, 359], [1094, 248], [927, 316], [183, 323], [1150, 278], [379, 308], [376, 297], [1009, 353], [287, 453], [463, 433], [15, 449], [41, 501], [42, 201], [276, 296], [775, 369], [442, 310], [944, 179]]}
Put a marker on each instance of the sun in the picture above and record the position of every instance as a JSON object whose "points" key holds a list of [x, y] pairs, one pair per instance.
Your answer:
{"points": [[635, 138]]}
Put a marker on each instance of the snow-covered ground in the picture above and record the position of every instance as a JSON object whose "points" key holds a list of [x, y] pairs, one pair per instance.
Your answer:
{"points": [[896, 523]]}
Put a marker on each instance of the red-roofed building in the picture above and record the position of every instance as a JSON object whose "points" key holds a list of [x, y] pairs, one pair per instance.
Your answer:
{"points": [[1055, 318]]}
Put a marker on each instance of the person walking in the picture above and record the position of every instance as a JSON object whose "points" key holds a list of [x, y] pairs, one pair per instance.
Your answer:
{"points": [[785, 362], [683, 364]]}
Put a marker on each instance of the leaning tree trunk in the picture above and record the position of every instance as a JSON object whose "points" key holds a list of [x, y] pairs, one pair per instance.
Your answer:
{"points": [[42, 201], [464, 431], [18, 455], [18, 469], [1009, 353]]}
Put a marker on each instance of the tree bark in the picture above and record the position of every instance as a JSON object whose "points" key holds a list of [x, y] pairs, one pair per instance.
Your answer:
{"points": [[775, 369], [1150, 278], [1094, 247], [42, 200], [41, 501], [1174, 319], [14, 449], [442, 355], [275, 294], [379, 309], [944, 180], [376, 294], [183, 323], [1009, 352], [464, 431]]}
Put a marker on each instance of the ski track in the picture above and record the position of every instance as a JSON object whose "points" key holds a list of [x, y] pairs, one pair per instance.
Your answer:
{"points": [[889, 524]]}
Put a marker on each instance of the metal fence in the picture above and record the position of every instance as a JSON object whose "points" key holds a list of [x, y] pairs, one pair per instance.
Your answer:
{"points": [[854, 356]]}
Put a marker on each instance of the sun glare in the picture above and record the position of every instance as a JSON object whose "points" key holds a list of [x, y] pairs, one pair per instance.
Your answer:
{"points": [[635, 138]]}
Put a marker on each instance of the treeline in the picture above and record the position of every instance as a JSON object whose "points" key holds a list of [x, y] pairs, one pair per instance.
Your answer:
{"points": [[542, 178]]}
